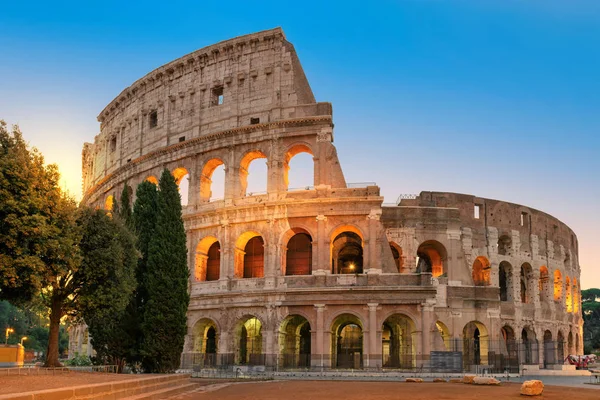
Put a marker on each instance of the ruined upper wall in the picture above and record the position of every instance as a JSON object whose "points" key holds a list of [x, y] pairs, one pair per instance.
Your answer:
{"points": [[247, 80]]}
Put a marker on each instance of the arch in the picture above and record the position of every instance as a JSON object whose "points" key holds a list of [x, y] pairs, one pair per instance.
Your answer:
{"points": [[345, 228], [481, 271], [525, 282], [431, 257], [206, 189], [205, 341], [183, 184], [509, 345], [506, 281], [575, 296], [298, 253], [347, 341], [475, 344], [152, 179], [248, 341], [295, 342], [245, 162], [529, 348], [568, 295], [249, 255], [398, 257], [442, 338], [291, 152], [504, 245], [570, 343], [549, 354], [560, 345], [347, 253], [544, 283], [398, 342], [207, 259], [558, 285], [109, 203]]}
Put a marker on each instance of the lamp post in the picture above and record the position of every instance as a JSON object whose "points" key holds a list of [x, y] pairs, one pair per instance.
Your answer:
{"points": [[24, 338], [8, 332]]}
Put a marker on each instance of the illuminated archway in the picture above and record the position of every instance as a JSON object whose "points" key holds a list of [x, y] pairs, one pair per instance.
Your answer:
{"points": [[181, 176], [205, 341], [431, 256], [398, 337], [289, 155], [347, 253], [298, 253], [249, 341], [475, 343], [208, 259], [295, 342], [245, 170], [398, 257], [249, 258], [442, 338], [109, 203], [558, 285], [152, 179], [481, 271], [206, 179], [575, 296], [568, 296], [347, 342], [544, 284]]}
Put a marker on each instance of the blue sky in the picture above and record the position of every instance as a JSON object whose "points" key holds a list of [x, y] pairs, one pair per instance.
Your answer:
{"points": [[494, 98]]}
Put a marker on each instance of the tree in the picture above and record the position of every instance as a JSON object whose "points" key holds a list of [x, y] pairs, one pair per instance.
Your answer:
{"points": [[590, 307], [164, 325]]}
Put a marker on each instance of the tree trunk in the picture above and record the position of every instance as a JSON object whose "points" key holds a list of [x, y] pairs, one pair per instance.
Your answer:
{"points": [[55, 316]]}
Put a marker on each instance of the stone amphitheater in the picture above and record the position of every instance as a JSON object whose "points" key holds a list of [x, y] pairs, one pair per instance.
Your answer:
{"points": [[327, 276]]}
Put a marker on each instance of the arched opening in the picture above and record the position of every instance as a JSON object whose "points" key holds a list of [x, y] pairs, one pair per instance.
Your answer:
{"points": [[575, 296], [299, 159], [525, 278], [509, 349], [249, 256], [397, 255], [298, 254], [431, 256], [347, 343], [568, 295], [253, 174], [294, 342], [529, 348], [506, 281], [109, 203], [549, 355], [570, 343], [475, 344], [208, 259], [544, 284], [249, 341], [182, 178], [558, 284], [205, 341], [441, 338], [398, 342], [212, 180], [481, 271], [347, 253], [560, 344], [504, 245], [152, 179]]}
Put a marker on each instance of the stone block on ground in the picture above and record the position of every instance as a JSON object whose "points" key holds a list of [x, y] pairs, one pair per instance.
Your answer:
{"points": [[532, 388], [485, 380], [439, 380], [468, 379], [414, 380]]}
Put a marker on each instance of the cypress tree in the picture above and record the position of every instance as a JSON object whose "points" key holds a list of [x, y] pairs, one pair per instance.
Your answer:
{"points": [[164, 322], [144, 224], [125, 212]]}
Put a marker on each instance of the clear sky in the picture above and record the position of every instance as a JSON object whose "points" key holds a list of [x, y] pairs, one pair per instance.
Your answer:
{"points": [[495, 98]]}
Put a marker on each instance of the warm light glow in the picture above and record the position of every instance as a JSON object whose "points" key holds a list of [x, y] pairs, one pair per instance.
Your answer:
{"points": [[352, 266], [8, 332], [23, 339]]}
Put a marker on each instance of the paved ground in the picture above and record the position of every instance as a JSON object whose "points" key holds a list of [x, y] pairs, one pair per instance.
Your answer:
{"points": [[327, 390], [28, 383]]}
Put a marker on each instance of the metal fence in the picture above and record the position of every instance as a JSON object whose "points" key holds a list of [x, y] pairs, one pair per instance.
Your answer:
{"points": [[478, 356]]}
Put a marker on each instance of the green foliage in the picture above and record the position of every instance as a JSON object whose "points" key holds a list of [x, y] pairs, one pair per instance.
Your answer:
{"points": [[125, 211], [79, 361], [590, 307], [164, 320]]}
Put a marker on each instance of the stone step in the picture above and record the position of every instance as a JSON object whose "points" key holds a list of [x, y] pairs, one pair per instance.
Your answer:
{"points": [[141, 388], [165, 392]]}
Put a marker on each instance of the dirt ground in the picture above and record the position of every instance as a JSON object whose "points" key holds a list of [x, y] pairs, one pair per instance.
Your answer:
{"points": [[29, 383], [327, 390]]}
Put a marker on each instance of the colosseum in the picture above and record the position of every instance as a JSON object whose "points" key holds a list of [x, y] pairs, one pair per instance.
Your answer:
{"points": [[328, 276]]}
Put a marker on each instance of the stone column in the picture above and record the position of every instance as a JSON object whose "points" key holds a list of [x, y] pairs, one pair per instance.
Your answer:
{"points": [[232, 178], [318, 358], [426, 324], [374, 357], [321, 267], [322, 173]]}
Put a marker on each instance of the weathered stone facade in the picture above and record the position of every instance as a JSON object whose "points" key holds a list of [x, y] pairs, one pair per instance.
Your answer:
{"points": [[327, 276]]}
